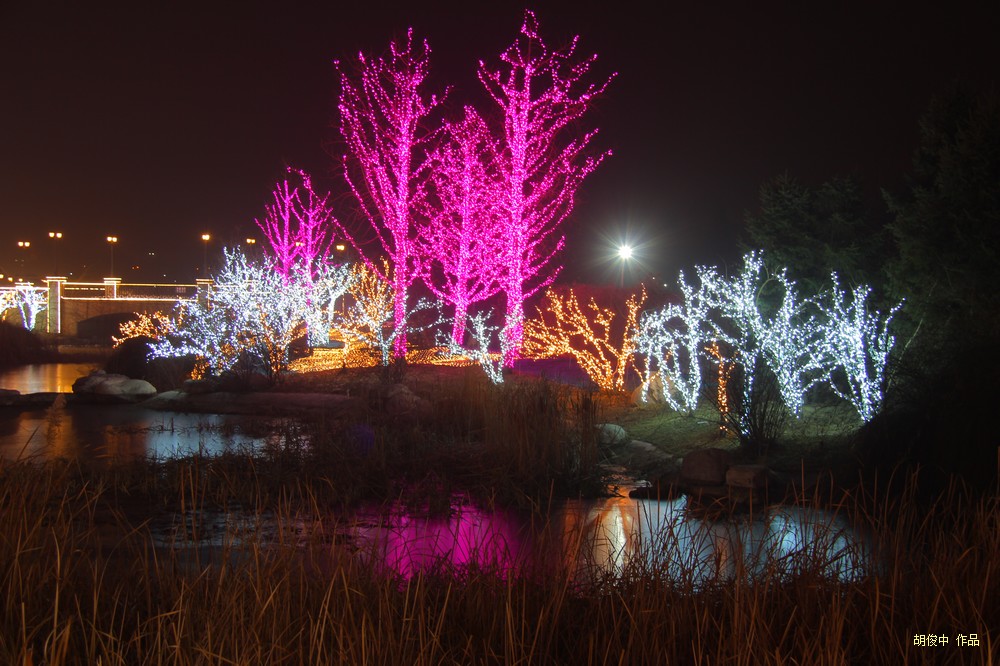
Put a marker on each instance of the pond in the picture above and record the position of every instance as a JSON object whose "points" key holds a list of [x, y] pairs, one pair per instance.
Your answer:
{"points": [[607, 536], [589, 539]]}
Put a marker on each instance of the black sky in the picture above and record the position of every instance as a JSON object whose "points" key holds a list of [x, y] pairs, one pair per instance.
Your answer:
{"points": [[158, 122]]}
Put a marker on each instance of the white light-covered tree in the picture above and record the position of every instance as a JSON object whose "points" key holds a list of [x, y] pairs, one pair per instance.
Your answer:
{"points": [[483, 336], [249, 323], [856, 344], [29, 300], [786, 342], [671, 342], [324, 285]]}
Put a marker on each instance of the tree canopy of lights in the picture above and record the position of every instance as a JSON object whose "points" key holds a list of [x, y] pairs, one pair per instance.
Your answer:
{"points": [[370, 322], [463, 237], [856, 344], [540, 92], [786, 341], [248, 325], [298, 225], [8, 301], [383, 118], [601, 348], [671, 342], [323, 285], [155, 326], [798, 342], [29, 300]]}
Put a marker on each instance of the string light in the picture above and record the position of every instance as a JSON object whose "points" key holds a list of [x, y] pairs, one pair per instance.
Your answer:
{"points": [[604, 351], [29, 300], [540, 93], [383, 119], [724, 370], [155, 326], [464, 236], [371, 322], [670, 341], [254, 315], [856, 344], [297, 225], [803, 342]]}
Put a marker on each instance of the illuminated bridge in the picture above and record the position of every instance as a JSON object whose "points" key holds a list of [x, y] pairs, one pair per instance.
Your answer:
{"points": [[74, 305]]}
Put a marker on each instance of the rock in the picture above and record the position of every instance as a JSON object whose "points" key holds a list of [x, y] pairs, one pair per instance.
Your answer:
{"points": [[611, 434], [137, 387], [752, 477], [9, 397], [705, 467], [110, 384], [400, 401], [88, 383]]}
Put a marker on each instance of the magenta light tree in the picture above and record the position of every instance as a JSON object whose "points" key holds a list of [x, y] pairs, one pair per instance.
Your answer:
{"points": [[298, 225], [541, 93], [383, 118], [462, 238]]}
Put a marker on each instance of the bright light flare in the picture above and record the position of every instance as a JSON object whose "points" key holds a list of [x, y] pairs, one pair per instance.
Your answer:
{"points": [[625, 252]]}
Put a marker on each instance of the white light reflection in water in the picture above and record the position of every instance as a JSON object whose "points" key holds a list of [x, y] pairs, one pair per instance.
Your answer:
{"points": [[693, 550], [123, 432]]}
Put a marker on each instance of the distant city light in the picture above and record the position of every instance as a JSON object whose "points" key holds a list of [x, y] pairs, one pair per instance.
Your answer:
{"points": [[24, 243], [55, 234]]}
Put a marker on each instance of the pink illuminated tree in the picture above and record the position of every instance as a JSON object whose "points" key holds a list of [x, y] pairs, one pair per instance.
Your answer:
{"points": [[541, 93], [383, 112], [462, 238], [298, 225]]}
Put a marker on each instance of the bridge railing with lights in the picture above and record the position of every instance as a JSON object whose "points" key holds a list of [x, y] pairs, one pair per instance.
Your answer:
{"points": [[125, 291]]}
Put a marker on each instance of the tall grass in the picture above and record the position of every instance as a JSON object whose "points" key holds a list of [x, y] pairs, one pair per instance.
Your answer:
{"points": [[84, 582]]}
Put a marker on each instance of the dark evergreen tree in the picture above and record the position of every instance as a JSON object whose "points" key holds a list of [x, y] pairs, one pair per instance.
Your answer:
{"points": [[813, 231], [947, 224]]}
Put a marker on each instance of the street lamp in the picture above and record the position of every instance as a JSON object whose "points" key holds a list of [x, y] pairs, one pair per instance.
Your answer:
{"points": [[23, 245], [204, 256], [112, 241], [55, 235], [624, 254]]}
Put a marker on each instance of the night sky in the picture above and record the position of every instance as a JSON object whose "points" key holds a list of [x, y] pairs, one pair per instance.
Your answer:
{"points": [[160, 123]]}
